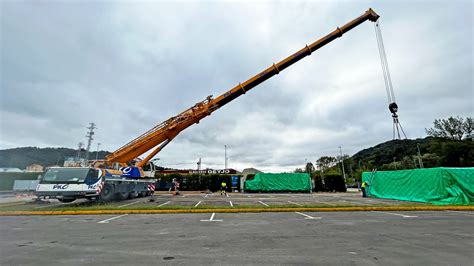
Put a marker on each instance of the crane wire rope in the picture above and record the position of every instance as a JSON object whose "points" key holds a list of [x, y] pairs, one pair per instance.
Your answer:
{"points": [[393, 107], [384, 62]]}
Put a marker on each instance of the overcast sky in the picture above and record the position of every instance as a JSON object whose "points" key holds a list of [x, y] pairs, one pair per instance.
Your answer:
{"points": [[128, 66]]}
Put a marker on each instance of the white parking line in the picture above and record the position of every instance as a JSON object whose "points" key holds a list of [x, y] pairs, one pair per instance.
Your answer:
{"points": [[263, 203], [106, 221], [307, 216], [212, 219], [197, 204], [163, 204], [330, 204], [130, 204], [294, 203], [397, 214], [206, 195], [231, 205], [45, 206]]}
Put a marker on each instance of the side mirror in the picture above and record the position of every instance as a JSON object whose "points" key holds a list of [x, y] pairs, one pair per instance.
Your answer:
{"points": [[39, 177]]}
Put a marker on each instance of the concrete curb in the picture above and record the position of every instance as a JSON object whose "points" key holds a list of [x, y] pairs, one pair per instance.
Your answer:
{"points": [[250, 210]]}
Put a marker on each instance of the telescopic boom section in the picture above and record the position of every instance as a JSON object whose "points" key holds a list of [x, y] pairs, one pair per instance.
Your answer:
{"points": [[166, 131]]}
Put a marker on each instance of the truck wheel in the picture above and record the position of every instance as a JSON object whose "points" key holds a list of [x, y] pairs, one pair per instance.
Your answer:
{"points": [[122, 195], [133, 195], [66, 200], [107, 193]]}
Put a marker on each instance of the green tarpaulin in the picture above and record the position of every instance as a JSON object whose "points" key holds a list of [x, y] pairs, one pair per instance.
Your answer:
{"points": [[262, 182], [439, 186]]}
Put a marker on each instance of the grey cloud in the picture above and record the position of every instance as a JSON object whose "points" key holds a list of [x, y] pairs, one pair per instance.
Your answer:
{"points": [[128, 66]]}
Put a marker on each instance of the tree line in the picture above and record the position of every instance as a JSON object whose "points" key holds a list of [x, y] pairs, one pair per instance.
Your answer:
{"points": [[449, 144]]}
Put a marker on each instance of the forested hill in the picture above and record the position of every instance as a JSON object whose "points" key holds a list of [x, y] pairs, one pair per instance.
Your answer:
{"points": [[435, 152], [22, 157]]}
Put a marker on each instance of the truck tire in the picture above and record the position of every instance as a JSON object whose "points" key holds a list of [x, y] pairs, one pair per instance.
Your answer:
{"points": [[133, 195], [66, 200], [122, 195], [107, 193]]}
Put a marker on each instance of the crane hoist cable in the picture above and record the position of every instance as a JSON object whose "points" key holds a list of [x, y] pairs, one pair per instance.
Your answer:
{"points": [[392, 105]]}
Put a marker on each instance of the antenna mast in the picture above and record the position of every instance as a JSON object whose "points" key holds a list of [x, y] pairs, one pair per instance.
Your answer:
{"points": [[90, 138]]}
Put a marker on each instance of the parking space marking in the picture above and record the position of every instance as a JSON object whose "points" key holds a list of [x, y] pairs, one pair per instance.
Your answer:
{"points": [[294, 203], [330, 204], [57, 204], [263, 203], [212, 218], [397, 214], [307, 216], [468, 213], [106, 221], [128, 204], [206, 195], [197, 204], [231, 205], [163, 204]]}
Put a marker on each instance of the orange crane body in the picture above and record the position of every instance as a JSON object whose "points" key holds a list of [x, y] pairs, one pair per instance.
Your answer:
{"points": [[159, 136]]}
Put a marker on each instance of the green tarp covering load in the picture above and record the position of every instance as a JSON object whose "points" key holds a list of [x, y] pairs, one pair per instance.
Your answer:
{"points": [[262, 182], [439, 186]]}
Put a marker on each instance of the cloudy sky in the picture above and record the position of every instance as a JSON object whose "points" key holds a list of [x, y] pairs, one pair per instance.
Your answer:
{"points": [[128, 66]]}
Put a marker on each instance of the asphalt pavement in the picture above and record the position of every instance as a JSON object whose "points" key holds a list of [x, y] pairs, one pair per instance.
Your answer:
{"points": [[201, 200], [293, 238]]}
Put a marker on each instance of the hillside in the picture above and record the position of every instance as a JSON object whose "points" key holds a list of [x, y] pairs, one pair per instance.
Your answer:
{"points": [[22, 157], [435, 152]]}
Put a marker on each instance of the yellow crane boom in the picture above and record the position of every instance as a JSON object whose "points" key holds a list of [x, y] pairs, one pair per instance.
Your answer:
{"points": [[159, 136]]}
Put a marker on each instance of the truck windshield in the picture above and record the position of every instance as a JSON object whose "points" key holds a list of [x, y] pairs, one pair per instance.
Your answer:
{"points": [[67, 175]]}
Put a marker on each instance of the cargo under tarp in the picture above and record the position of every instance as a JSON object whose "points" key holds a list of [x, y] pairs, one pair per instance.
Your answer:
{"points": [[439, 186], [263, 182]]}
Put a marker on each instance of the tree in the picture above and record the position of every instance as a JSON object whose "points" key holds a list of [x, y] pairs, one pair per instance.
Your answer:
{"points": [[324, 162], [299, 170], [310, 168], [452, 128], [468, 126]]}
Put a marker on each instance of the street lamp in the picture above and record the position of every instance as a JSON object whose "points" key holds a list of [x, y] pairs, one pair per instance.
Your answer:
{"points": [[97, 153], [342, 162]]}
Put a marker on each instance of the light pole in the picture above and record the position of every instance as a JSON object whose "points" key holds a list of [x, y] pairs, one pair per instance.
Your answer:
{"points": [[342, 162], [225, 157], [97, 153], [420, 162]]}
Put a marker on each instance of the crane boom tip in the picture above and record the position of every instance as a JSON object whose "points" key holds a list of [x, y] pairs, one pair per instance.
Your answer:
{"points": [[373, 16]]}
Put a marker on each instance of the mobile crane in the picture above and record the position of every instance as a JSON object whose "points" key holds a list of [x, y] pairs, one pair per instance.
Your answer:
{"points": [[119, 176]]}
